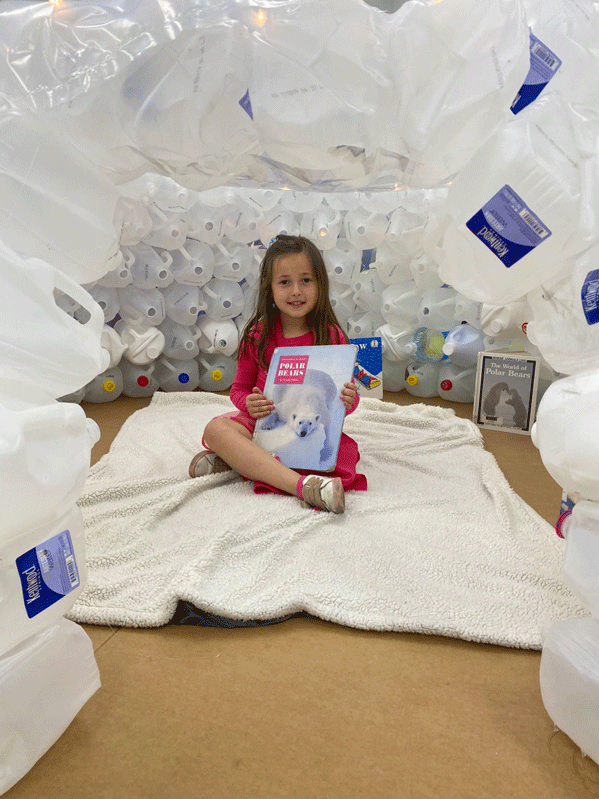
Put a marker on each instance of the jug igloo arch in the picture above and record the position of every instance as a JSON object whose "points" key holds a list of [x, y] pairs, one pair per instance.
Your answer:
{"points": [[150, 150]]}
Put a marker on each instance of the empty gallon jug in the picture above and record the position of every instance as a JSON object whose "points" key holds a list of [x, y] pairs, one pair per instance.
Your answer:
{"points": [[343, 263], [380, 202], [107, 299], [399, 304], [422, 379], [363, 325], [117, 278], [241, 224], [342, 301], [106, 387], [168, 232], [566, 433], [391, 267], [151, 267], [44, 456], [517, 211], [42, 572], [224, 299], [405, 232], [262, 200], [113, 344], [40, 343], [176, 375], [342, 200], [44, 683], [219, 335], [180, 341], [456, 383], [426, 345], [133, 219], [322, 226], [183, 303], [497, 320], [143, 343], [564, 321], [394, 341], [275, 222], [217, 372], [569, 680], [193, 263], [142, 306], [581, 559], [368, 288], [167, 194], [462, 345], [365, 229], [233, 261], [205, 223], [437, 308], [425, 272], [138, 380], [301, 202], [394, 375]]}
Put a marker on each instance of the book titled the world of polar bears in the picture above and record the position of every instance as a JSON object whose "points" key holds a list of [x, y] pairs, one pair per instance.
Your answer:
{"points": [[305, 384]]}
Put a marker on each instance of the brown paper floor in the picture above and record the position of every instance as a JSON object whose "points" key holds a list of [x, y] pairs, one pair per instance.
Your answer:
{"points": [[310, 710]]}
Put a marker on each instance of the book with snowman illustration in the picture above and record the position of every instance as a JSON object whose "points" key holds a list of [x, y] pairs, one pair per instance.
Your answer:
{"points": [[305, 384], [505, 397], [368, 370]]}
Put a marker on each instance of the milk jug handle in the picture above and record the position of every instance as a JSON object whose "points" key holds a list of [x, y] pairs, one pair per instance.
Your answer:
{"points": [[68, 286], [437, 235]]}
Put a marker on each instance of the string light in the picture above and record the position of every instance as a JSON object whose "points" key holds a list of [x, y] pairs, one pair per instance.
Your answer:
{"points": [[260, 17]]}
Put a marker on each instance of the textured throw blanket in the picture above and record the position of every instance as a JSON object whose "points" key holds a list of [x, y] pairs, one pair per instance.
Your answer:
{"points": [[439, 543]]}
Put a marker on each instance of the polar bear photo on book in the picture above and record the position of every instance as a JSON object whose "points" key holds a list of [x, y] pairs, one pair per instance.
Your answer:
{"points": [[299, 429]]}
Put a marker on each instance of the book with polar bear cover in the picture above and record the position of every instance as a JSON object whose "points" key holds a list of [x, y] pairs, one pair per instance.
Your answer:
{"points": [[305, 384]]}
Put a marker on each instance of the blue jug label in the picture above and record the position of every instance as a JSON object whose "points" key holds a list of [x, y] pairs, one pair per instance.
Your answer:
{"points": [[48, 572], [246, 104], [368, 256], [508, 227], [544, 64], [588, 296]]}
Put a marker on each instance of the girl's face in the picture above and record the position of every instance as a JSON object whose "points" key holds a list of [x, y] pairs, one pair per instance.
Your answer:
{"points": [[294, 287]]}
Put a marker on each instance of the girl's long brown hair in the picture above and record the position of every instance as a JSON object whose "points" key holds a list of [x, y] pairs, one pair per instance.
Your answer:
{"points": [[319, 320]]}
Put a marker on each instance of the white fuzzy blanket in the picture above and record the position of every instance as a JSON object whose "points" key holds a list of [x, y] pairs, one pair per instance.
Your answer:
{"points": [[439, 543]]}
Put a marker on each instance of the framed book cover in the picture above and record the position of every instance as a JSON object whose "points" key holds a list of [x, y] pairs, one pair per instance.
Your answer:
{"points": [[368, 371], [505, 396], [305, 385]]}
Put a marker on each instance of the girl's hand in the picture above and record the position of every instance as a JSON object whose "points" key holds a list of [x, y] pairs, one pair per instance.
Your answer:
{"points": [[258, 405], [348, 394]]}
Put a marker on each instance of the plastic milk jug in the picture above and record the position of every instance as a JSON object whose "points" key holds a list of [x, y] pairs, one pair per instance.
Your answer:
{"points": [[405, 232], [301, 202], [219, 335], [233, 261], [138, 380], [363, 325], [516, 212], [342, 200], [462, 345], [240, 224], [275, 222], [496, 320], [436, 309], [343, 263], [467, 311], [391, 267], [422, 379], [342, 301], [143, 343], [365, 229], [569, 680], [394, 375], [112, 342], [142, 306], [107, 299], [395, 341], [217, 372], [399, 304], [224, 299], [42, 572], [262, 200], [205, 223], [177, 375], [117, 278], [180, 341], [581, 559], [167, 232], [183, 303], [44, 456], [151, 267], [566, 433], [425, 272], [426, 345], [193, 263], [44, 683], [105, 387], [368, 288], [40, 343], [322, 226], [456, 383]]}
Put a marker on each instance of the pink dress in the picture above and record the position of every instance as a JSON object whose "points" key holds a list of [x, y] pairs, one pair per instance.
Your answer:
{"points": [[250, 373]]}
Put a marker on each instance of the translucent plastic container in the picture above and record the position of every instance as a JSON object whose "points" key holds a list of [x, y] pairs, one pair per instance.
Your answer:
{"points": [[436, 309], [44, 683], [426, 345], [342, 301], [193, 263], [42, 572], [138, 380], [108, 300], [217, 335], [142, 306], [394, 341], [422, 379], [394, 375], [40, 343], [224, 299], [180, 341], [399, 304], [391, 267], [301, 202], [233, 261], [566, 433], [151, 267], [275, 222], [168, 232], [241, 224], [216, 372], [425, 272], [496, 320], [113, 344], [343, 263], [205, 223], [363, 325], [322, 226], [177, 375], [44, 457], [569, 678], [462, 345], [183, 303], [365, 229], [143, 343], [368, 288], [405, 232], [105, 387], [581, 560], [517, 211], [456, 383]]}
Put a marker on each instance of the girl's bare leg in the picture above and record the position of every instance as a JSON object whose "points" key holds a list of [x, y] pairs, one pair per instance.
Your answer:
{"points": [[233, 443]]}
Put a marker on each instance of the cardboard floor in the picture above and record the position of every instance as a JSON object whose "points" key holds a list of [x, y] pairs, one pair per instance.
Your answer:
{"points": [[313, 710]]}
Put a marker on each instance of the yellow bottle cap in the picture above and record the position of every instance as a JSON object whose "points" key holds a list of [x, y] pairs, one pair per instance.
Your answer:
{"points": [[217, 374], [412, 380], [108, 385]]}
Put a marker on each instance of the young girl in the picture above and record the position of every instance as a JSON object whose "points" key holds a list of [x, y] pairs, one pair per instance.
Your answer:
{"points": [[293, 309]]}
